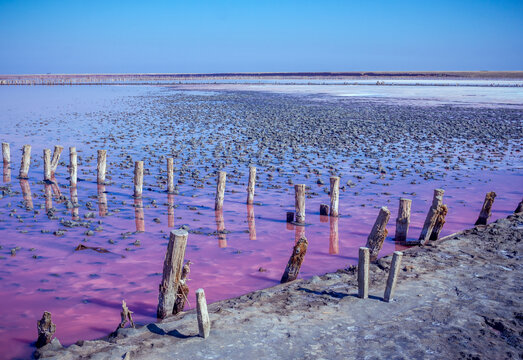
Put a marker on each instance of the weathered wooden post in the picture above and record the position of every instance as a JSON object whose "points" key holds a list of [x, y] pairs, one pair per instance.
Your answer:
{"points": [[170, 210], [293, 266], [430, 220], [183, 289], [335, 195], [251, 185], [393, 276], [56, 157], [220, 190], [290, 216], [333, 236], [47, 165], [440, 221], [403, 220], [139, 215], [170, 175], [363, 272], [172, 272], [26, 192], [251, 223], [299, 203], [138, 178], [486, 209], [46, 330], [324, 210], [101, 166], [26, 161], [378, 233], [6, 153], [73, 166], [204, 323]]}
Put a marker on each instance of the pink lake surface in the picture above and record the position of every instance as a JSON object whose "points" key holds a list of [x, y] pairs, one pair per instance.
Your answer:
{"points": [[84, 289]]}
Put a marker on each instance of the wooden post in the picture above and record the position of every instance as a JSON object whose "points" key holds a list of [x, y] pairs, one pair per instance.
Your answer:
{"points": [[403, 220], [170, 175], [172, 272], [47, 165], [138, 178], [251, 223], [56, 157], [204, 323], [293, 266], [290, 216], [363, 272], [26, 161], [486, 209], [378, 234], [251, 185], [183, 289], [74, 200], [46, 330], [393, 276], [73, 166], [170, 210], [299, 203], [440, 221], [6, 153], [101, 166], [220, 190], [333, 236], [335, 195], [324, 210], [437, 200], [26, 193], [139, 215]]}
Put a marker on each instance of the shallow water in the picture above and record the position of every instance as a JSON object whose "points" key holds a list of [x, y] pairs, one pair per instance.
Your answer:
{"points": [[83, 289]]}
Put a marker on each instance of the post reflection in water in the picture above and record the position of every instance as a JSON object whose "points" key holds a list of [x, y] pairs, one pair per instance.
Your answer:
{"points": [[333, 236], [26, 192], [48, 197], [250, 221], [138, 215], [220, 228], [102, 200], [299, 232], [74, 201], [7, 172], [56, 188], [170, 210], [324, 218]]}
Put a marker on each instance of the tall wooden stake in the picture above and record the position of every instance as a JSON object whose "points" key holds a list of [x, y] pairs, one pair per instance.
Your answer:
{"points": [[299, 203], [437, 200], [335, 195], [486, 209], [6, 153], [204, 323], [403, 220], [47, 165], [138, 178], [73, 166], [378, 233], [251, 185], [363, 272], [26, 161], [393, 276], [220, 190], [293, 266], [170, 175], [440, 221], [101, 166]]}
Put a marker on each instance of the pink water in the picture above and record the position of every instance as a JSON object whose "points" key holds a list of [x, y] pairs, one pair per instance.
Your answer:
{"points": [[83, 289]]}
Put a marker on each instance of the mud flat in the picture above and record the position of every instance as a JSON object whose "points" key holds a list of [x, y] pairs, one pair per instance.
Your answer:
{"points": [[458, 297]]}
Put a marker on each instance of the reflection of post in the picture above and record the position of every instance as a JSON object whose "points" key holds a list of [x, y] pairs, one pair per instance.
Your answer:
{"points": [[102, 200], [324, 218], [74, 200], [220, 228], [170, 210], [299, 232], [7, 172], [56, 188], [333, 236], [250, 221], [48, 197], [138, 215], [26, 192]]}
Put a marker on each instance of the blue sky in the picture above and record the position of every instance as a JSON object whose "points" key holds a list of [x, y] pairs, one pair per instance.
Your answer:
{"points": [[241, 36]]}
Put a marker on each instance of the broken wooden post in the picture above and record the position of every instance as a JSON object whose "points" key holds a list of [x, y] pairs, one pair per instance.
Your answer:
{"points": [[56, 157], [220, 190], [363, 272], [393, 276], [251, 185], [519, 208], [47, 165], [101, 166], [26, 161], [6, 153], [126, 315], [290, 216], [324, 210], [172, 272], [335, 195], [437, 200], [293, 266], [204, 323], [299, 203], [333, 236], [73, 166], [138, 178], [183, 289], [251, 222], [378, 233], [170, 175], [440, 221], [403, 220], [486, 209], [46, 330]]}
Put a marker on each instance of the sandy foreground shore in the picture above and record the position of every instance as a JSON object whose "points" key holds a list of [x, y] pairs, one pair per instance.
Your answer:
{"points": [[459, 297]]}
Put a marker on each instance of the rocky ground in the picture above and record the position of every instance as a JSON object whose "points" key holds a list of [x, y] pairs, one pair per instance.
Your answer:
{"points": [[459, 297]]}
